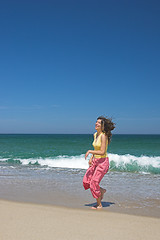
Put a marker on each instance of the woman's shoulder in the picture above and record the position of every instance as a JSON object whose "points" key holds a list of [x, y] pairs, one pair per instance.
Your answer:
{"points": [[104, 136]]}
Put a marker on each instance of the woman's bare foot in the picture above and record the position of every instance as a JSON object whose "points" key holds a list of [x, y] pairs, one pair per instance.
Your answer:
{"points": [[99, 204], [97, 207], [102, 190]]}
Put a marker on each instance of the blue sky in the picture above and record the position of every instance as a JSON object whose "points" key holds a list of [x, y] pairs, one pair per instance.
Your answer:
{"points": [[64, 63]]}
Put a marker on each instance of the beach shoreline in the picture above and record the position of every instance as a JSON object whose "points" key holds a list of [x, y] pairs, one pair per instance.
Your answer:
{"points": [[85, 202], [36, 221]]}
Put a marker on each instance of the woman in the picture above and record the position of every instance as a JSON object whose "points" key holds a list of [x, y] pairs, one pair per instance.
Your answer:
{"points": [[99, 162]]}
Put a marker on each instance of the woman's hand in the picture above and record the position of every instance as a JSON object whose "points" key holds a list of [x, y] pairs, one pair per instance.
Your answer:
{"points": [[87, 153], [90, 161]]}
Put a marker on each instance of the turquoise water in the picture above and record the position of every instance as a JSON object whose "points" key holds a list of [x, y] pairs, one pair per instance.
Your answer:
{"points": [[127, 153]]}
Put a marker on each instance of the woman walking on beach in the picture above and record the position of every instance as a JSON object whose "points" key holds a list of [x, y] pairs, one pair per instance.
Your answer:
{"points": [[99, 162]]}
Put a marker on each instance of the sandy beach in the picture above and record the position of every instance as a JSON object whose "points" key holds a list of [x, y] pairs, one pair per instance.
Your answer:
{"points": [[34, 221]]}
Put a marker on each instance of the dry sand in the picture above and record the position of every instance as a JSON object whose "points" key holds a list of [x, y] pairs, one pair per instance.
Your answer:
{"points": [[24, 221]]}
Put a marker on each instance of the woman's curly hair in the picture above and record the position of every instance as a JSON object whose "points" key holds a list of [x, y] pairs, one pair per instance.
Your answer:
{"points": [[107, 126]]}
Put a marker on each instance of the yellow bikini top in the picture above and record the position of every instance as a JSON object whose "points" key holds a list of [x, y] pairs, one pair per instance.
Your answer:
{"points": [[97, 145]]}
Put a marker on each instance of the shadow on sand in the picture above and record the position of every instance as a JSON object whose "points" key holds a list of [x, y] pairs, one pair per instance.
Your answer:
{"points": [[104, 204]]}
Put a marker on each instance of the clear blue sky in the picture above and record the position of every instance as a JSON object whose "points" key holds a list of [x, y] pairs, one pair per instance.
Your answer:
{"points": [[63, 63]]}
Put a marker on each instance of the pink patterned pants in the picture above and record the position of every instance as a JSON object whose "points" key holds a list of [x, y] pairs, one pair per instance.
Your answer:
{"points": [[94, 175]]}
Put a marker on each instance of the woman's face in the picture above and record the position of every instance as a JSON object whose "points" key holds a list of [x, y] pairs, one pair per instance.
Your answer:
{"points": [[98, 126]]}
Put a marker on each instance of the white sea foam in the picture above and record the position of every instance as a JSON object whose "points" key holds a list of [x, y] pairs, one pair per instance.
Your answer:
{"points": [[4, 159], [59, 162], [143, 161]]}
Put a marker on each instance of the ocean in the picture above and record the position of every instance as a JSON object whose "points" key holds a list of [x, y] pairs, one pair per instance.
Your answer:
{"points": [[34, 163]]}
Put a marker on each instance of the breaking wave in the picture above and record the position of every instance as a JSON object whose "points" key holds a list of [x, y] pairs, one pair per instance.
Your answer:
{"points": [[123, 163]]}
